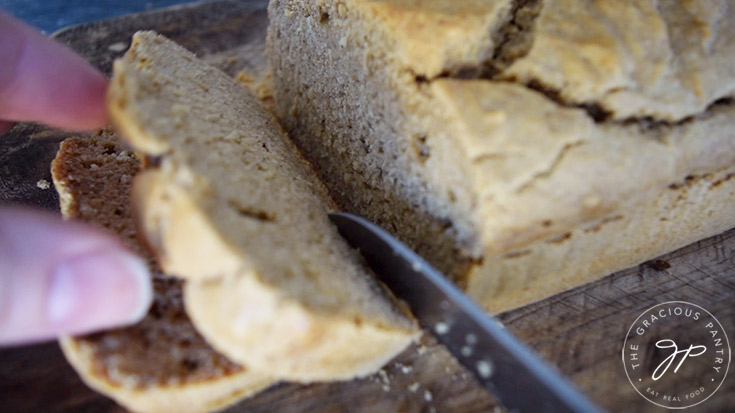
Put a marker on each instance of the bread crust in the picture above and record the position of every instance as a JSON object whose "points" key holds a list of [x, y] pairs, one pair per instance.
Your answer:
{"points": [[201, 396], [496, 166]]}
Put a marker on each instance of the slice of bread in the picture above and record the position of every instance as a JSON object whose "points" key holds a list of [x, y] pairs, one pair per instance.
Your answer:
{"points": [[228, 204], [161, 364], [523, 147]]}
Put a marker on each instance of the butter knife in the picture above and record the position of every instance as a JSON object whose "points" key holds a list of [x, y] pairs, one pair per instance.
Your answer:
{"points": [[505, 366]]}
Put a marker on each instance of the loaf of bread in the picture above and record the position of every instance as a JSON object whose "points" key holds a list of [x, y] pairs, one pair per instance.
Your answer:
{"points": [[524, 147], [228, 204], [161, 364]]}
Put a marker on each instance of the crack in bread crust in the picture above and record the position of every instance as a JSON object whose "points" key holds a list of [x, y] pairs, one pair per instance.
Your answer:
{"points": [[412, 134], [594, 110], [514, 41]]}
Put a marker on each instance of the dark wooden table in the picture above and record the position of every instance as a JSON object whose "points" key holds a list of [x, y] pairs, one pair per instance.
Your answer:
{"points": [[580, 331]]}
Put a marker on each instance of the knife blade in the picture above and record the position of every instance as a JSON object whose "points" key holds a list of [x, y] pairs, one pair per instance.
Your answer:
{"points": [[509, 369]]}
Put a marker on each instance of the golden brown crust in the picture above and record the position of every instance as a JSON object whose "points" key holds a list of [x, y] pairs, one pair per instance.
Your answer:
{"points": [[435, 37], [635, 59], [559, 157], [509, 159]]}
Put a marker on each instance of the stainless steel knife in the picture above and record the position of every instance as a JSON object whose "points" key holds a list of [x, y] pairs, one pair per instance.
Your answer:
{"points": [[510, 370]]}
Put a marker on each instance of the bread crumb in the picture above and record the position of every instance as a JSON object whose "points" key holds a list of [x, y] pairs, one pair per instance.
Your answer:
{"points": [[404, 368], [383, 375], [43, 184], [413, 387], [428, 396], [117, 47], [385, 379], [421, 350]]}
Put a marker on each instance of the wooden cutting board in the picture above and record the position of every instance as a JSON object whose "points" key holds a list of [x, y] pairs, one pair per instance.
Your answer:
{"points": [[580, 331]]}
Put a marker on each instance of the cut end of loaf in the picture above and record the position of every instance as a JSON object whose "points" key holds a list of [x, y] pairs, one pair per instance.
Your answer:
{"points": [[162, 363]]}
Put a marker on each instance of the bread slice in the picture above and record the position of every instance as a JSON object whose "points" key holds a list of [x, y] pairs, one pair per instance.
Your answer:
{"points": [[523, 147], [161, 364], [229, 205]]}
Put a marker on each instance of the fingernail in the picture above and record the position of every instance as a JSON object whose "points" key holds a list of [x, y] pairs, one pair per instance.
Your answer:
{"points": [[98, 290]]}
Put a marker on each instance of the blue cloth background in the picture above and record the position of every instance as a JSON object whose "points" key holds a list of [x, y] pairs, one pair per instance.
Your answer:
{"points": [[52, 15]]}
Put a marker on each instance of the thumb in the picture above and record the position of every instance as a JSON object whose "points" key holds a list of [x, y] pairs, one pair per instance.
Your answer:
{"points": [[64, 278]]}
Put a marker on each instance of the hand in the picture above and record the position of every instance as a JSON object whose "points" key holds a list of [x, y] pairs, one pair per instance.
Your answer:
{"points": [[58, 277]]}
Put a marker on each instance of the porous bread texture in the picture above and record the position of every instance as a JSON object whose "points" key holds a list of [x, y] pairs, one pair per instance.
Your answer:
{"points": [[521, 154], [229, 205], [162, 364]]}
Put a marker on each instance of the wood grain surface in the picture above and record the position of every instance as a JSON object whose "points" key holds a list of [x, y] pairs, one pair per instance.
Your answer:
{"points": [[580, 331]]}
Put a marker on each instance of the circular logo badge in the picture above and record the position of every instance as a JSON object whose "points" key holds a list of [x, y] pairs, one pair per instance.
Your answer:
{"points": [[676, 354]]}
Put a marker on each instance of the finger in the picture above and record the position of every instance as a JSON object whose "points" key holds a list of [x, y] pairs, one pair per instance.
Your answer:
{"points": [[43, 81], [5, 126], [64, 278]]}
